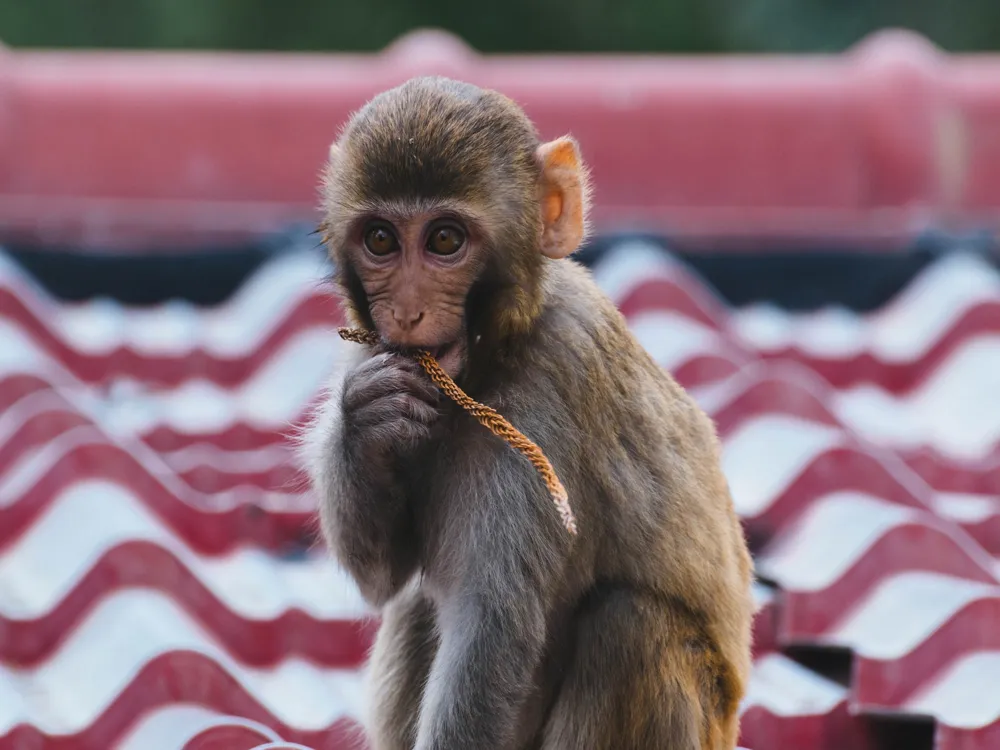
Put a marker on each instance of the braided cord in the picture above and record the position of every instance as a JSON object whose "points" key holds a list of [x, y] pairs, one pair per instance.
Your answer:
{"points": [[487, 417]]}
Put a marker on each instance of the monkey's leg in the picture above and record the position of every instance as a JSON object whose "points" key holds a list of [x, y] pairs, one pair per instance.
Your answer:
{"points": [[401, 657], [639, 679]]}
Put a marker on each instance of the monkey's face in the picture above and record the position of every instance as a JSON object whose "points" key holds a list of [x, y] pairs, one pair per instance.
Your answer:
{"points": [[416, 268], [440, 207]]}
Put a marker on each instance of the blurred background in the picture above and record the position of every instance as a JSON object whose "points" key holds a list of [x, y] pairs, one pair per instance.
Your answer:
{"points": [[708, 26], [796, 209]]}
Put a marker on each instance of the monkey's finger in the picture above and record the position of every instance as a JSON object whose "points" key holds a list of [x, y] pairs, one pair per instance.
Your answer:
{"points": [[372, 415], [408, 433], [409, 365], [373, 364], [368, 386], [385, 359], [392, 407], [383, 363], [417, 410], [398, 360], [395, 434], [419, 385], [362, 395], [369, 383]]}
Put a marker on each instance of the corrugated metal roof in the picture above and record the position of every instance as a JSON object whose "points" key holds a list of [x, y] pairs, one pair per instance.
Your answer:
{"points": [[148, 506]]}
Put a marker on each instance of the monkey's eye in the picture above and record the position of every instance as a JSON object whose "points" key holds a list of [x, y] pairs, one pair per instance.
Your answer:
{"points": [[380, 240], [445, 240]]}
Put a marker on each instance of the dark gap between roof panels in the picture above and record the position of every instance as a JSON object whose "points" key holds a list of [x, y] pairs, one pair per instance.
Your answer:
{"points": [[812, 277], [889, 730], [831, 662], [806, 280], [899, 732], [206, 275]]}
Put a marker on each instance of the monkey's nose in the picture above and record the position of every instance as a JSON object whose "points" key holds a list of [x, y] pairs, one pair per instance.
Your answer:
{"points": [[407, 320]]}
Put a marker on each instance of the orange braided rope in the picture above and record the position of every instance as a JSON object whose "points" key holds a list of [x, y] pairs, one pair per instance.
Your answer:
{"points": [[487, 417]]}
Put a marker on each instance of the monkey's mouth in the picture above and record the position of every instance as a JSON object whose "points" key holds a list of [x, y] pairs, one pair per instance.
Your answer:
{"points": [[450, 356]]}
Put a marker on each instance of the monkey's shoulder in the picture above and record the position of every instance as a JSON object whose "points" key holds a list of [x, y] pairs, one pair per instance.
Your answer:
{"points": [[589, 363], [583, 338]]}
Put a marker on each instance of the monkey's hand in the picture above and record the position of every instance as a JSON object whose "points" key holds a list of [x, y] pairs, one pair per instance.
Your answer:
{"points": [[378, 413], [389, 406]]}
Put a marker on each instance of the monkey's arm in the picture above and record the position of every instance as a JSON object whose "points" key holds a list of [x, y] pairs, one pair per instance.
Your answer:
{"points": [[367, 524], [364, 431], [508, 554]]}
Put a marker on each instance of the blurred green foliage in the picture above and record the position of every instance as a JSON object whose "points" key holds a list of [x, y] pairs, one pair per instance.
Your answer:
{"points": [[498, 26]]}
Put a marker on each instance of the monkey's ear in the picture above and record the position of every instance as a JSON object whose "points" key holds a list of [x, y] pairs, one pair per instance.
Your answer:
{"points": [[334, 150], [564, 197]]}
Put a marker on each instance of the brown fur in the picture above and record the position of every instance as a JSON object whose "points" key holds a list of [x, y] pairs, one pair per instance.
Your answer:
{"points": [[500, 630]]}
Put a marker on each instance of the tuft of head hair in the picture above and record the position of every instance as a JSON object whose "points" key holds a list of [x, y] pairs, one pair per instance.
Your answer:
{"points": [[433, 138]]}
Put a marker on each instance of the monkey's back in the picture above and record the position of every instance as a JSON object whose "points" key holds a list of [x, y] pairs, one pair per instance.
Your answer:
{"points": [[645, 463]]}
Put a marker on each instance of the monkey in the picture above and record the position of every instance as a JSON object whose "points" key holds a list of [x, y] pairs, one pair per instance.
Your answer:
{"points": [[450, 225]]}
